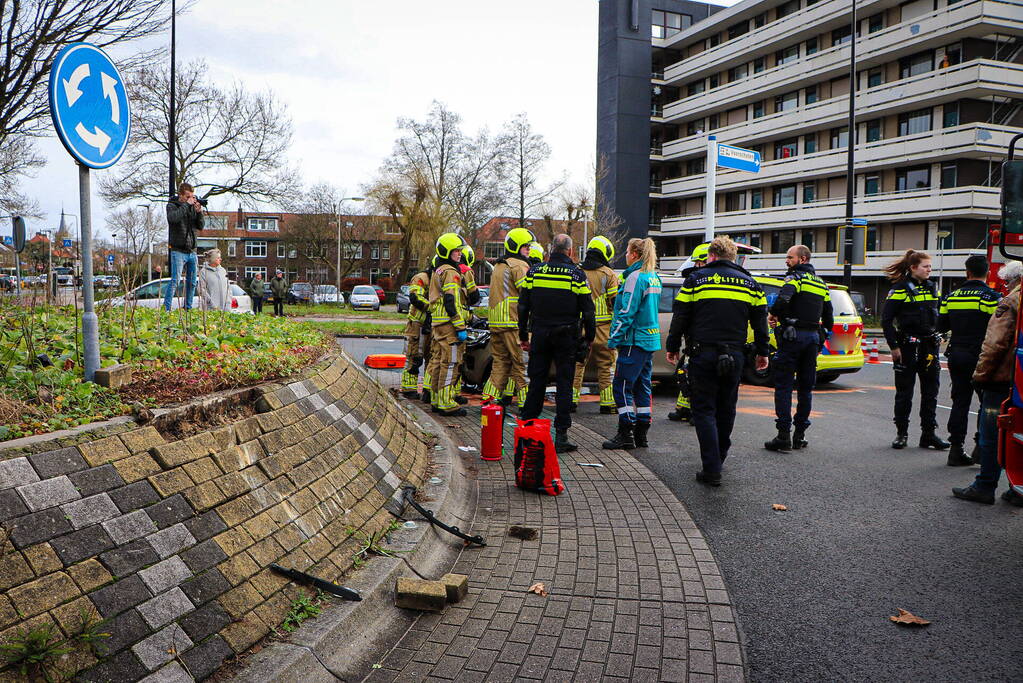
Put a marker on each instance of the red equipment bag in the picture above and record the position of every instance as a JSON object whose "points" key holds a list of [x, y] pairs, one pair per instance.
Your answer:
{"points": [[536, 463]]}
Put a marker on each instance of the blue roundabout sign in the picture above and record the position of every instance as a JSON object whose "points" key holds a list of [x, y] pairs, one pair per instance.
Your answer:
{"points": [[89, 105]]}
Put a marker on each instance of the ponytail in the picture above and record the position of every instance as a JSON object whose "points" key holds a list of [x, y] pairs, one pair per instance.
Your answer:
{"points": [[900, 268], [646, 250]]}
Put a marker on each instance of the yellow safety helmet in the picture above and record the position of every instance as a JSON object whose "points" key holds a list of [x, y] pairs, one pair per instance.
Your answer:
{"points": [[468, 256], [603, 245], [535, 250], [517, 238], [701, 252], [449, 242]]}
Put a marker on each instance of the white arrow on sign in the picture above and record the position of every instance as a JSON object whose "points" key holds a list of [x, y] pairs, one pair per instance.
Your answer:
{"points": [[97, 138], [71, 90], [110, 92]]}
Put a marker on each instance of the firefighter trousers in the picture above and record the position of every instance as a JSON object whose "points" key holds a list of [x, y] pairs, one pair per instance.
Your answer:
{"points": [[416, 347], [445, 355], [604, 359], [507, 374]]}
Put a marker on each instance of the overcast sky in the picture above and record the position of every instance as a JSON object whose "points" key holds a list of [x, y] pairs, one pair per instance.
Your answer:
{"points": [[348, 70]]}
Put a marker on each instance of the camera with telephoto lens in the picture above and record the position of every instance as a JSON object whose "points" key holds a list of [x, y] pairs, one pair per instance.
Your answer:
{"points": [[203, 201]]}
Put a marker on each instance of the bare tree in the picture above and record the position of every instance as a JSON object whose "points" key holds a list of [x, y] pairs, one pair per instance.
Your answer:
{"points": [[314, 234], [478, 190], [17, 158], [228, 141], [606, 220], [527, 153], [33, 33], [418, 217]]}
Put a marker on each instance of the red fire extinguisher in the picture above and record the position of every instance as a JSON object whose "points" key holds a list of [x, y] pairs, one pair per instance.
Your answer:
{"points": [[492, 431]]}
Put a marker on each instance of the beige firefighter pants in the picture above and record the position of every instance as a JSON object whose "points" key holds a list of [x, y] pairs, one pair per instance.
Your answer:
{"points": [[604, 358]]}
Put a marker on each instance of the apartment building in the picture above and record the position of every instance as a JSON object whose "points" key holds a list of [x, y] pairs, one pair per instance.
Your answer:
{"points": [[939, 95]]}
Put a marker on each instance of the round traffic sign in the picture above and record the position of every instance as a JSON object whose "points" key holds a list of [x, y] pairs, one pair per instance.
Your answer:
{"points": [[89, 105]]}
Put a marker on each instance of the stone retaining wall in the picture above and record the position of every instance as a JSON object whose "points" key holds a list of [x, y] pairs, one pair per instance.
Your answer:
{"points": [[170, 540]]}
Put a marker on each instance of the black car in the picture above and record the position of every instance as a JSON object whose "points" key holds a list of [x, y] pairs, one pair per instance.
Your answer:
{"points": [[300, 292], [403, 300]]}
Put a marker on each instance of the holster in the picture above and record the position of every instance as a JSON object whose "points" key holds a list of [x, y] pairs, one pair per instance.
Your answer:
{"points": [[788, 330], [726, 363]]}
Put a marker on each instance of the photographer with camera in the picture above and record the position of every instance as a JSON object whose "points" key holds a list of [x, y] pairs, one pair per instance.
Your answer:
{"points": [[184, 218]]}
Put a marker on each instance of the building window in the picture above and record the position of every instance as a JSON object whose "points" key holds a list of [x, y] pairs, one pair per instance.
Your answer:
{"points": [[810, 94], [374, 252], [265, 224], [255, 249], [281, 250], [875, 23], [374, 273], [830, 239], [215, 223], [787, 101], [714, 40], [714, 81], [789, 54], [910, 179], [694, 127], [756, 199], [917, 64], [493, 250], [807, 240], [737, 73], [353, 250], [735, 201], [253, 271], [810, 143], [782, 240], [812, 46], [839, 137], [785, 195], [696, 87], [667, 24], [953, 55], [872, 184], [949, 175], [232, 249], [840, 35], [809, 193], [914, 122], [391, 229], [950, 116], [759, 64], [760, 20], [875, 77], [758, 109], [713, 122], [871, 238], [357, 273], [783, 149], [784, 10], [874, 130], [385, 252], [696, 166], [736, 30]]}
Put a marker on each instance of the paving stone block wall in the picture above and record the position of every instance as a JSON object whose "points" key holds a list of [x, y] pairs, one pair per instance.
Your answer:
{"points": [[170, 540]]}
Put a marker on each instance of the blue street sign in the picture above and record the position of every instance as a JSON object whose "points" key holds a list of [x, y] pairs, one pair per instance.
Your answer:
{"points": [[89, 105], [738, 158], [67, 244], [110, 259], [859, 221]]}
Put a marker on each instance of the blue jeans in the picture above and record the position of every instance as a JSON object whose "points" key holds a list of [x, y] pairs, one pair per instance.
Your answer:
{"points": [[713, 402], [631, 385], [990, 470], [177, 259], [795, 360]]}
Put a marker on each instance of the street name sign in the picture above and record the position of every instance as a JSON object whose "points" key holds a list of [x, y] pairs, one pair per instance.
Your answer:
{"points": [[738, 158]]}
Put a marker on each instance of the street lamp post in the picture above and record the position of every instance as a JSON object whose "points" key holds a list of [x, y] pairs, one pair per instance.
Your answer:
{"points": [[850, 186], [337, 217]]}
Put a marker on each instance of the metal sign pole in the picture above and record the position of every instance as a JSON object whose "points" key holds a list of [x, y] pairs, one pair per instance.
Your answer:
{"points": [[710, 200], [90, 323]]}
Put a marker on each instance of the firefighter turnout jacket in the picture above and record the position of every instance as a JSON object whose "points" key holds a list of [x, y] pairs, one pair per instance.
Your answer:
{"points": [[911, 310], [715, 307], [966, 311], [445, 297], [805, 299], [505, 284], [555, 294], [418, 297], [603, 284]]}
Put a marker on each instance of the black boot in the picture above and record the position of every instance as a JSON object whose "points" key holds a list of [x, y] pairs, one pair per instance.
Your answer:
{"points": [[411, 393], [561, 442], [901, 440], [574, 408], [461, 400], [709, 478], [957, 456], [680, 415], [781, 443], [622, 440], [608, 410], [505, 401], [425, 396], [974, 495], [931, 440], [639, 432], [457, 412], [799, 438]]}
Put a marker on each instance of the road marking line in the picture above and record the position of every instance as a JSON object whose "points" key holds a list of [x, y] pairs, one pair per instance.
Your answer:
{"points": [[972, 412]]}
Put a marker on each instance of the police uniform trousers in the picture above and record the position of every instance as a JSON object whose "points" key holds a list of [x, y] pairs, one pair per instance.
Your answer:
{"points": [[508, 372], [548, 345], [414, 347], [795, 361], [962, 361], [604, 359], [713, 401], [918, 360], [445, 355]]}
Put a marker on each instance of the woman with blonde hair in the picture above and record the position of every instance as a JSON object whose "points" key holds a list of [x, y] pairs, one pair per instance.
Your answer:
{"points": [[909, 320], [635, 332]]}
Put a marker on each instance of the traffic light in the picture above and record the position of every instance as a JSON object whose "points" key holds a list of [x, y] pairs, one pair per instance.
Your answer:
{"points": [[1012, 196]]}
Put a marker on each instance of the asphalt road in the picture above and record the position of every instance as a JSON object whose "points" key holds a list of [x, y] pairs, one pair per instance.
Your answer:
{"points": [[868, 530]]}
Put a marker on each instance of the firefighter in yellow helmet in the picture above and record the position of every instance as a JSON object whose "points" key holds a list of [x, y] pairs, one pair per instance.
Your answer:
{"points": [[448, 317], [535, 253], [508, 373], [604, 288], [470, 297], [417, 334], [683, 413]]}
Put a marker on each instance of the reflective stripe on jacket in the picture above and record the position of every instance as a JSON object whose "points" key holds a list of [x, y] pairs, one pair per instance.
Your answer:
{"points": [[505, 282], [635, 321]]}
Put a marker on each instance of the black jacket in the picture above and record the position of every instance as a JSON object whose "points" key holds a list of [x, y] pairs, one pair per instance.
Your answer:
{"points": [[804, 298], [556, 294], [182, 222], [594, 259], [911, 310], [715, 306], [966, 312]]}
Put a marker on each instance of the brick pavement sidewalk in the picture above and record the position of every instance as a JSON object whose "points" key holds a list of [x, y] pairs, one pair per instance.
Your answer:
{"points": [[634, 592]]}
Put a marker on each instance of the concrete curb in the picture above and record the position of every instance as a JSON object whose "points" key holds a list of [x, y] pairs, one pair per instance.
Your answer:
{"points": [[347, 640]]}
